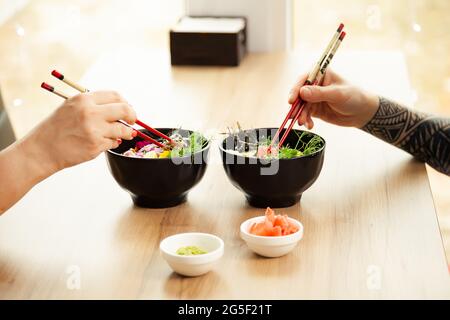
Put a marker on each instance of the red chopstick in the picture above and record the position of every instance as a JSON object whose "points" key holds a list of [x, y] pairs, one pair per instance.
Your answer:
{"points": [[81, 89], [143, 135], [317, 72], [288, 116], [51, 89], [154, 131], [294, 120]]}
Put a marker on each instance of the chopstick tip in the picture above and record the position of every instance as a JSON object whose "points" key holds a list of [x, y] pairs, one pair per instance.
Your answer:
{"points": [[46, 86], [342, 36], [57, 75], [341, 26]]}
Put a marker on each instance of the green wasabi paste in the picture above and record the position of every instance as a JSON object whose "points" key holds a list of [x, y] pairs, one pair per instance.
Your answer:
{"points": [[190, 251]]}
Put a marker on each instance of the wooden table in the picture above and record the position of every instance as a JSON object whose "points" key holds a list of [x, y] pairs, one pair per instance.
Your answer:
{"points": [[370, 224]]}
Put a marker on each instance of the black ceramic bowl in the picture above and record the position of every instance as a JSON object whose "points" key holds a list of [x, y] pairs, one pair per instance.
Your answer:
{"points": [[277, 183], [157, 183]]}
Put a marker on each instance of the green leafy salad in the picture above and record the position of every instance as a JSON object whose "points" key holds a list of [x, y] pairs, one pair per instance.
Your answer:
{"points": [[306, 144]]}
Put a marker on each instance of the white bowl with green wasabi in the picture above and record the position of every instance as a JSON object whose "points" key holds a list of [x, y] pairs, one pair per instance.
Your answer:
{"points": [[192, 254]]}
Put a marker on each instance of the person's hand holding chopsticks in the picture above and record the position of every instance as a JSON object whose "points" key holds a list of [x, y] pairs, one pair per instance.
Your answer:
{"points": [[335, 101], [84, 126], [79, 130]]}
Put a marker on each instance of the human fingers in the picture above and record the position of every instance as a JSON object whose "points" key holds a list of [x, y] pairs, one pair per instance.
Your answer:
{"points": [[118, 130], [332, 93], [118, 111], [294, 92], [106, 97]]}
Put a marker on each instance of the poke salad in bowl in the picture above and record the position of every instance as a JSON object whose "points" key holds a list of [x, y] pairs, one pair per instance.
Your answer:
{"points": [[156, 176], [268, 175], [183, 145]]}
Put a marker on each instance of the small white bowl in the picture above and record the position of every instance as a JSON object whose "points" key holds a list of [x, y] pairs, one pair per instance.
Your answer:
{"points": [[194, 265], [271, 247]]}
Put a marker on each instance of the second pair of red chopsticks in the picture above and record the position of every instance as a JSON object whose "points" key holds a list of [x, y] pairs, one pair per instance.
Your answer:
{"points": [[314, 78], [81, 89]]}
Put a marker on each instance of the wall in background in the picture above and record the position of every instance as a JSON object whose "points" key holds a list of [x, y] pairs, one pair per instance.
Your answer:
{"points": [[9, 8], [268, 20]]}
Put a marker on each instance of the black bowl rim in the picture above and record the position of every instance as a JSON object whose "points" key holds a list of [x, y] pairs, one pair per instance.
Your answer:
{"points": [[302, 157], [158, 159]]}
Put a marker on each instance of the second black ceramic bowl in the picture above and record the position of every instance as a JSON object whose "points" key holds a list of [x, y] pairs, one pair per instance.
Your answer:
{"points": [[157, 183], [278, 183]]}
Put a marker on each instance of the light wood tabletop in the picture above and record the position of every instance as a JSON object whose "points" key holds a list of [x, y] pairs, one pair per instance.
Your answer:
{"points": [[370, 224]]}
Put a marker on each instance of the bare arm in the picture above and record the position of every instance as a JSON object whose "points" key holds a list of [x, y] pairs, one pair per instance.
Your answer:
{"points": [[22, 165], [78, 131]]}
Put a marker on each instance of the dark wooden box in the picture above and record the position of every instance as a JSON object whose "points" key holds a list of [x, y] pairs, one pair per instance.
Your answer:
{"points": [[208, 48]]}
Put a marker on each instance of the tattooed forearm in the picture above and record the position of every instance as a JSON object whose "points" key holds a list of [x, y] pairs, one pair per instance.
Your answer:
{"points": [[424, 136]]}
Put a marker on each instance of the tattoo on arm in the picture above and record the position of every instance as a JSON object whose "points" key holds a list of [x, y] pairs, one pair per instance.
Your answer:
{"points": [[424, 136]]}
